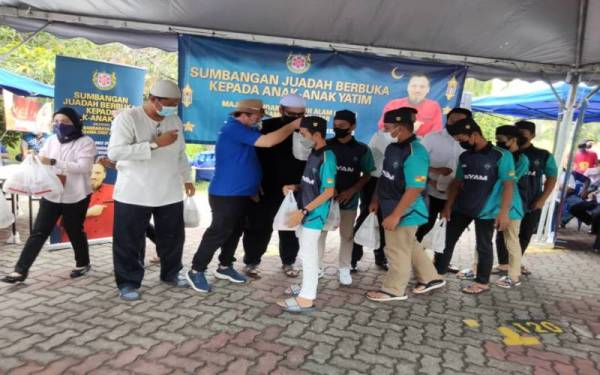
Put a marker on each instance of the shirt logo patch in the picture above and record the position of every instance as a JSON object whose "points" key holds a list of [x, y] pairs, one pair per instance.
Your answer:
{"points": [[395, 165], [420, 178], [308, 180], [487, 166], [355, 159], [511, 173], [344, 168], [537, 162], [387, 175], [314, 170], [475, 177], [330, 180]]}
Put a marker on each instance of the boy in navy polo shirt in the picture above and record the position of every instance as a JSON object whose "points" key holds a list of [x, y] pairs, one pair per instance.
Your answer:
{"points": [[481, 192], [236, 181], [354, 167], [401, 196], [316, 190]]}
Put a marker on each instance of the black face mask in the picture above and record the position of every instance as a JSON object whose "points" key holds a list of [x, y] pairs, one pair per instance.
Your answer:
{"points": [[341, 133], [522, 141], [502, 145], [466, 145]]}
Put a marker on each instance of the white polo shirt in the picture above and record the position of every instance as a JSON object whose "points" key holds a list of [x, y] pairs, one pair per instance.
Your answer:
{"points": [[443, 153], [147, 177], [378, 144]]}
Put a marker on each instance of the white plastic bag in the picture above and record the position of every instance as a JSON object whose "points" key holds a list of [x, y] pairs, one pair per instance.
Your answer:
{"points": [[6, 216], [33, 178], [191, 215], [288, 206], [367, 234], [438, 237], [299, 151], [333, 218]]}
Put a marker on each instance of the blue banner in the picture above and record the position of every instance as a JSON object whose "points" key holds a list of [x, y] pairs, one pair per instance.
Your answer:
{"points": [[216, 73], [98, 91]]}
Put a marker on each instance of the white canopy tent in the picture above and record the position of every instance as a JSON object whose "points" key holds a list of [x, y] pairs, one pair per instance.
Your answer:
{"points": [[527, 39]]}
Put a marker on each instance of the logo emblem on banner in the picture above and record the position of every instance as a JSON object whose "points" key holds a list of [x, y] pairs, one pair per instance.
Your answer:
{"points": [[186, 98], [104, 81], [298, 63], [451, 88]]}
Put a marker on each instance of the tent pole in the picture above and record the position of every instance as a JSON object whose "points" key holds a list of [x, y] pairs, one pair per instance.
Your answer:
{"points": [[23, 42], [545, 233]]}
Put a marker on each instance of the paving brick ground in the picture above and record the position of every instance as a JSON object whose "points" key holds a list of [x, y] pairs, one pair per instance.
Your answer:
{"points": [[54, 325]]}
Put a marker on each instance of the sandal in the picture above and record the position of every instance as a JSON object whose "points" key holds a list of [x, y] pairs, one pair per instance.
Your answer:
{"points": [[525, 271], [507, 283], [290, 271], [381, 296], [293, 290], [252, 271], [476, 289], [291, 305], [422, 288], [466, 274], [80, 271]]}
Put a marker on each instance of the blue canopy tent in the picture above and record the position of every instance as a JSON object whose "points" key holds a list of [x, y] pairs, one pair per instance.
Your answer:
{"points": [[24, 86], [540, 104]]}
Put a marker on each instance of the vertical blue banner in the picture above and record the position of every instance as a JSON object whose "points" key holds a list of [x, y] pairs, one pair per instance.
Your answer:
{"points": [[216, 73], [97, 90]]}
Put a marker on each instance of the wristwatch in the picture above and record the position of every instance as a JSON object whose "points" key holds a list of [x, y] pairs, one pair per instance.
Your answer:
{"points": [[304, 211], [52, 162], [153, 145]]}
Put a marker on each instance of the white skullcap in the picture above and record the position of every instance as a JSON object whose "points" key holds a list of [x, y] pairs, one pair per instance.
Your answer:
{"points": [[165, 88], [293, 101]]}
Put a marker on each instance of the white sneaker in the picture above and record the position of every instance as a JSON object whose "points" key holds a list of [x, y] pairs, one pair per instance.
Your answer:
{"points": [[345, 277]]}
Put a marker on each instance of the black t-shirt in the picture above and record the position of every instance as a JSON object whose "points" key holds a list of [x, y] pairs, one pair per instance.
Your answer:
{"points": [[278, 163]]}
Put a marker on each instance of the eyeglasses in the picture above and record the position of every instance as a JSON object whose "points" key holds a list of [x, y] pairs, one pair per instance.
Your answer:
{"points": [[294, 114]]}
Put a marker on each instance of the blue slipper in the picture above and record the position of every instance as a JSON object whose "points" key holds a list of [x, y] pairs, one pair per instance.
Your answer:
{"points": [[128, 293], [292, 306]]}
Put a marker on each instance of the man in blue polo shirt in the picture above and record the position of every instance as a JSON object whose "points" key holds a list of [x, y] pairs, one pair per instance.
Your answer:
{"points": [[236, 181], [400, 194], [481, 192]]}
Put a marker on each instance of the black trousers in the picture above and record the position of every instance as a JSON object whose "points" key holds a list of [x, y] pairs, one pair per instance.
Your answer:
{"points": [[224, 232], [365, 201], [129, 241], [528, 227], [436, 206], [484, 232], [73, 215], [258, 229]]}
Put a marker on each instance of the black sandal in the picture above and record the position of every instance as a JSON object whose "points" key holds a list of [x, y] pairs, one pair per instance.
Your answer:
{"points": [[13, 279], [78, 272]]}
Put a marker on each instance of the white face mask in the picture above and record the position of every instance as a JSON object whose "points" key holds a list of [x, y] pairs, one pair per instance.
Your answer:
{"points": [[389, 137], [301, 147], [308, 143]]}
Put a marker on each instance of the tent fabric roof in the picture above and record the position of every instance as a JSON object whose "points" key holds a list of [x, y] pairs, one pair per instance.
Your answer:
{"points": [[539, 104], [24, 86], [512, 38]]}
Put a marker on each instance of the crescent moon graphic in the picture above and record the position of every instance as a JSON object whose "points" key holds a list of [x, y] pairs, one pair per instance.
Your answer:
{"points": [[395, 73]]}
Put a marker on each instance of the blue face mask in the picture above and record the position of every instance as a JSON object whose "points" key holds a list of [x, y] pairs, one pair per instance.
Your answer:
{"points": [[167, 111], [66, 133]]}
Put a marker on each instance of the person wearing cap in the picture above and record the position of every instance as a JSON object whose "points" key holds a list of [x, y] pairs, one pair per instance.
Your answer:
{"points": [[316, 190], [508, 248], [444, 152], [354, 167], [400, 195], [279, 168], [539, 181], [70, 154], [147, 144], [482, 192], [234, 186]]}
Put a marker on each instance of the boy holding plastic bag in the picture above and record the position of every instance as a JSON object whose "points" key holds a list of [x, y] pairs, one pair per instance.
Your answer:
{"points": [[354, 167], [316, 189], [400, 195]]}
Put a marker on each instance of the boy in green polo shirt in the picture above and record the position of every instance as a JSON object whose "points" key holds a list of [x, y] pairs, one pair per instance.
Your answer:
{"points": [[400, 196]]}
